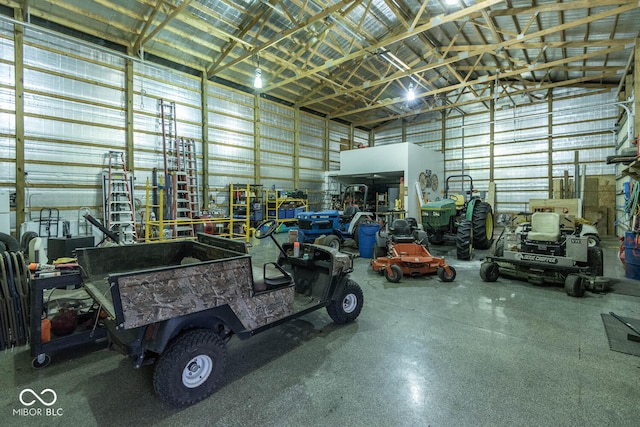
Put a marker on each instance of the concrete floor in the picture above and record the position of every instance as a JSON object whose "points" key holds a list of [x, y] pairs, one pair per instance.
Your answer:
{"points": [[421, 353]]}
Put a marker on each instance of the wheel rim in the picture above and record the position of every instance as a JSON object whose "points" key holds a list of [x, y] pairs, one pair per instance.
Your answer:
{"points": [[197, 371], [489, 226], [591, 242], [349, 303]]}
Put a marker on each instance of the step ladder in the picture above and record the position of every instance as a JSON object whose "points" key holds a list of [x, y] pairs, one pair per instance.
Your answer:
{"points": [[190, 166], [117, 184], [181, 205]]}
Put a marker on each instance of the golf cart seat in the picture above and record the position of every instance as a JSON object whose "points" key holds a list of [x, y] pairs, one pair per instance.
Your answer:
{"points": [[545, 227], [270, 276], [401, 231]]}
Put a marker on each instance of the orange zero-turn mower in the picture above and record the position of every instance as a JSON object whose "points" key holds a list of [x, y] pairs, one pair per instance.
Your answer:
{"points": [[411, 259]]}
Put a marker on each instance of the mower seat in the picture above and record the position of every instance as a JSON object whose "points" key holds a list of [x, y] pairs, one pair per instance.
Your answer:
{"points": [[545, 227], [401, 231]]}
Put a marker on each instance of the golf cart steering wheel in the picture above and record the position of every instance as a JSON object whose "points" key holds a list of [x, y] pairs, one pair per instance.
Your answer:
{"points": [[261, 233]]}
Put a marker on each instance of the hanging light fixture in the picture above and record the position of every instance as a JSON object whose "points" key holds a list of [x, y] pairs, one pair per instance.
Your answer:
{"points": [[410, 93], [257, 82]]}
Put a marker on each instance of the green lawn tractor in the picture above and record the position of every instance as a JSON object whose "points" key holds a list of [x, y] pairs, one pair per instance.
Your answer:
{"points": [[466, 220]]}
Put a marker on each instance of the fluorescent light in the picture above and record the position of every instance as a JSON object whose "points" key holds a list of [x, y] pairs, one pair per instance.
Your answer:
{"points": [[257, 82], [452, 2], [410, 93]]}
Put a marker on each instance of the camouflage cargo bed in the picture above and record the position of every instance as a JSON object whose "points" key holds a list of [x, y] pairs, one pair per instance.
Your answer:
{"points": [[149, 282]]}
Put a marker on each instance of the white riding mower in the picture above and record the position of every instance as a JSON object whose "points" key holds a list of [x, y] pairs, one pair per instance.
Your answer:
{"points": [[545, 251]]}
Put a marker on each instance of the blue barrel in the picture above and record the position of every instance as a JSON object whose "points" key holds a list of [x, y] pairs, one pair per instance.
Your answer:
{"points": [[367, 238], [632, 255]]}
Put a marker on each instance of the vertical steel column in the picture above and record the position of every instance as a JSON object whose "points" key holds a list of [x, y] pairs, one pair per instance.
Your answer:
{"points": [[129, 112], [443, 139], [256, 138], [18, 52], [550, 144], [296, 148], [636, 90], [404, 129], [204, 90], [492, 135], [327, 144], [352, 136]]}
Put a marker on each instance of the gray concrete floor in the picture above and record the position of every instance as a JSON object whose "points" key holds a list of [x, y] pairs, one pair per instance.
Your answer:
{"points": [[421, 353]]}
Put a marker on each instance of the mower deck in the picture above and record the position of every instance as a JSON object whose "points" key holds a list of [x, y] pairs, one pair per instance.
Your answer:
{"points": [[411, 259]]}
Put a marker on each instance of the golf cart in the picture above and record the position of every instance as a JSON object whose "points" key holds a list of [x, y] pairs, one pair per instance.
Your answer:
{"points": [[333, 225], [464, 218], [543, 251], [404, 256], [178, 303]]}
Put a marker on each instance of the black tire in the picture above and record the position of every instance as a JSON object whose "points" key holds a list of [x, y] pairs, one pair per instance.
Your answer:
{"points": [[592, 240], [574, 285], [10, 242], [396, 274], [437, 238], [464, 239], [482, 218], [489, 271], [332, 241], [198, 352], [346, 308], [446, 277], [595, 261]]}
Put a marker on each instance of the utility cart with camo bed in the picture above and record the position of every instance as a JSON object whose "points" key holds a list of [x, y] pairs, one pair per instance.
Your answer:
{"points": [[177, 303]]}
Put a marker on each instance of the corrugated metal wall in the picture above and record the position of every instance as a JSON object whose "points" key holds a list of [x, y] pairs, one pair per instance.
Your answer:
{"points": [[73, 116], [7, 108], [75, 113], [525, 139]]}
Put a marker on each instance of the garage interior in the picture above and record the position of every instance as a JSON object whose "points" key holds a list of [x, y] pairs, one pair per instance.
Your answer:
{"points": [[155, 121]]}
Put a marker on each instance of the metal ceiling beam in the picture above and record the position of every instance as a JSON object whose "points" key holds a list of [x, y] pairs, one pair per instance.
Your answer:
{"points": [[146, 25], [282, 36], [563, 83], [434, 22], [555, 7], [629, 5], [552, 45], [142, 39], [487, 79], [233, 43]]}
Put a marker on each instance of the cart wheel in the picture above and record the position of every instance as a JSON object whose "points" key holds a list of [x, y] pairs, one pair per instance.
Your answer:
{"points": [[574, 285], [41, 361], [396, 274], [444, 276], [332, 241], [489, 271]]}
